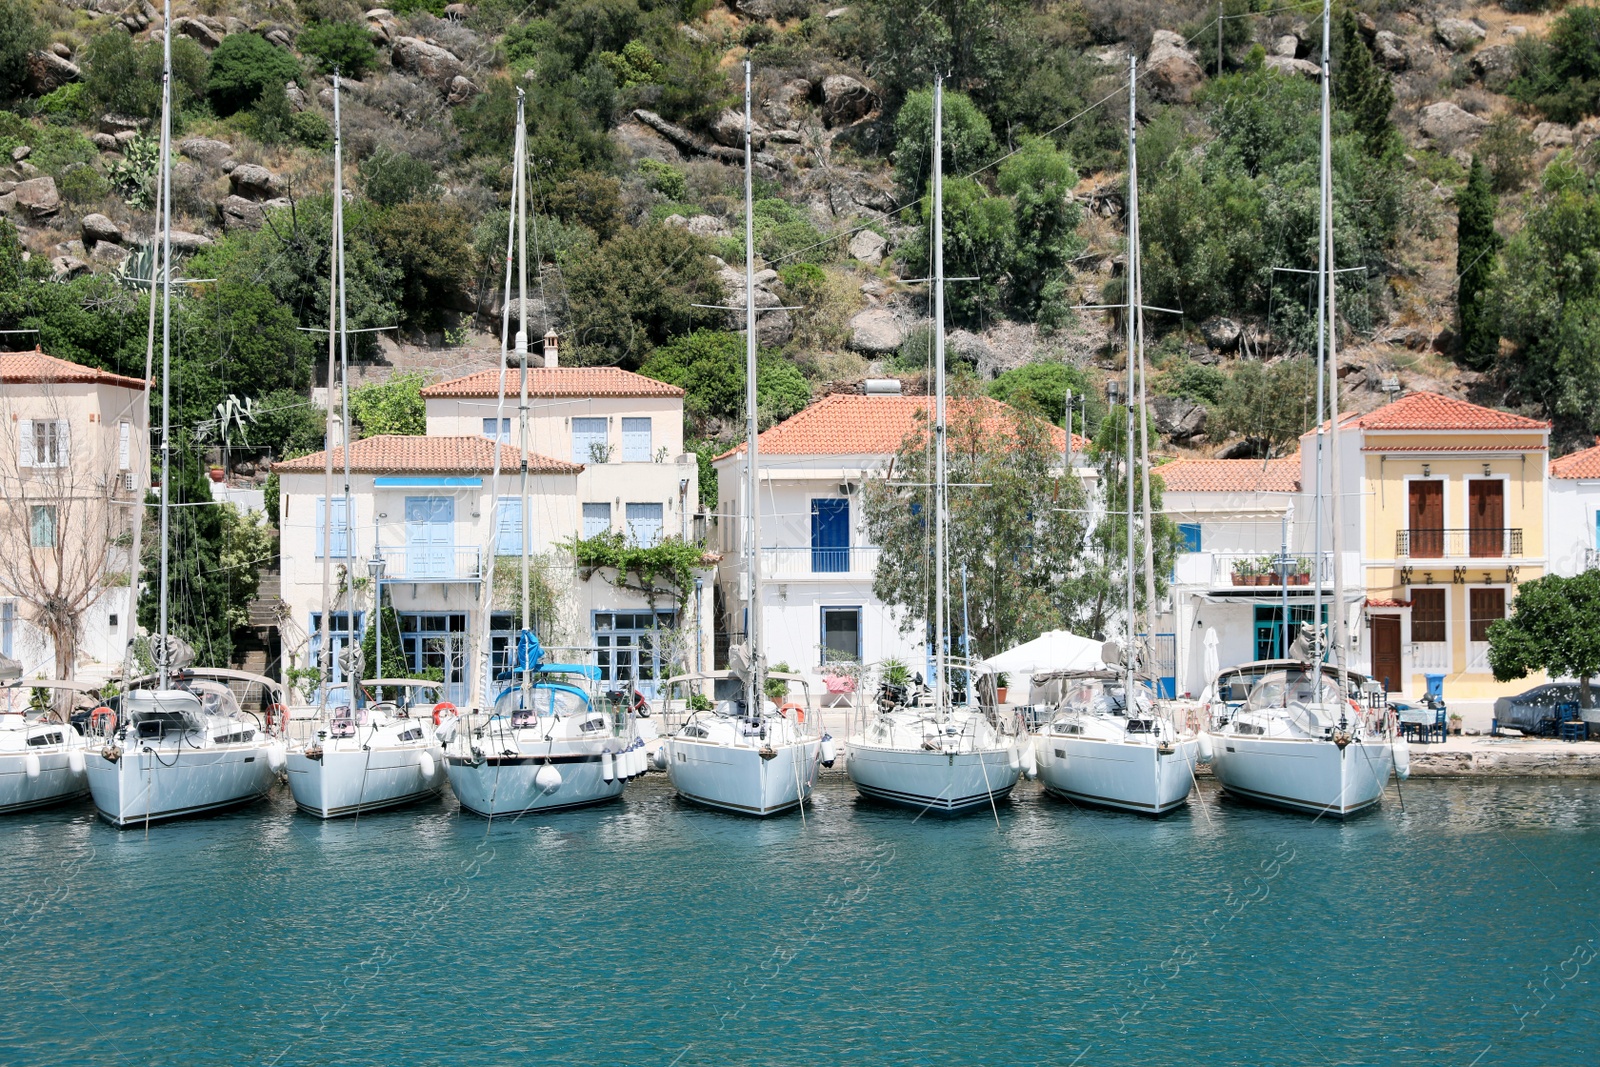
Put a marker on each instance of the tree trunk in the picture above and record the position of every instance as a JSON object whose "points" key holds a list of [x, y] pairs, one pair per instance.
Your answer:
{"points": [[1585, 695], [65, 639]]}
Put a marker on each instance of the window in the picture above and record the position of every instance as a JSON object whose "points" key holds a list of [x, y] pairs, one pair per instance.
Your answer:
{"points": [[636, 440], [589, 441], [830, 536], [44, 442], [1486, 606], [629, 649], [504, 436], [124, 445], [8, 626], [841, 634], [43, 525], [644, 524], [341, 527], [1428, 615], [596, 519], [1190, 532], [508, 531]]}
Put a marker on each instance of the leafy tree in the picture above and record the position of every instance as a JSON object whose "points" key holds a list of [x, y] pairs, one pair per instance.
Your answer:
{"points": [[1268, 406], [394, 663], [567, 119], [1192, 381], [1476, 246], [288, 423], [980, 242], [586, 199], [1041, 389], [968, 141], [390, 407], [1362, 87], [1561, 74], [1018, 531], [1547, 297], [1554, 627], [709, 365], [427, 245], [975, 44], [390, 178], [234, 337], [243, 68], [124, 77], [88, 319], [345, 47], [1039, 180], [20, 34], [638, 290]]}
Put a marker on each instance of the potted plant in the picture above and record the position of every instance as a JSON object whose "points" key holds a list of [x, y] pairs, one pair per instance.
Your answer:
{"points": [[1241, 572], [1455, 724], [1000, 684]]}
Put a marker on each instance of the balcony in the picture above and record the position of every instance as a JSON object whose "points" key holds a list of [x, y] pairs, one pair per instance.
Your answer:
{"points": [[1246, 569], [429, 563], [789, 564], [1483, 542]]}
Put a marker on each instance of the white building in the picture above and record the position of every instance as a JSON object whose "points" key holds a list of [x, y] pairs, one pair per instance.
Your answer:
{"points": [[606, 455], [817, 565], [74, 455], [1574, 524]]}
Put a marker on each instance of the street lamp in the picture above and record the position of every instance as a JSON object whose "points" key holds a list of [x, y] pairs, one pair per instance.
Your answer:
{"points": [[699, 645], [375, 567]]}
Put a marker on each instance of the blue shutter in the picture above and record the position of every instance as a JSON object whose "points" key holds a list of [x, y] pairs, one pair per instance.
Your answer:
{"points": [[636, 440], [504, 436], [341, 526], [588, 438], [1191, 536], [508, 533], [596, 519], [830, 536], [644, 524]]}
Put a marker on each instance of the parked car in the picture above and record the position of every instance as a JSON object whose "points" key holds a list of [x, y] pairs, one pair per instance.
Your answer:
{"points": [[1534, 712]]}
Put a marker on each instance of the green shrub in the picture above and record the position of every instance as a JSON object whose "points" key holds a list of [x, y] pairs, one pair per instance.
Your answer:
{"points": [[1041, 388], [345, 47], [124, 77], [82, 184], [57, 148], [968, 140], [1192, 381], [133, 177], [664, 178], [70, 102], [390, 178], [243, 68], [310, 129], [19, 35], [391, 407]]}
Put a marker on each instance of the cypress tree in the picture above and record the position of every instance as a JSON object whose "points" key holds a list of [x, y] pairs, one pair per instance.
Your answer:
{"points": [[1360, 88], [1476, 245]]}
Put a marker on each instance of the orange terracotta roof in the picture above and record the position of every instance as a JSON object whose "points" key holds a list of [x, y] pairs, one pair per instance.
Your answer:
{"points": [[849, 424], [1385, 602], [1232, 475], [36, 368], [398, 454], [1435, 411], [556, 381], [1585, 464], [1450, 450]]}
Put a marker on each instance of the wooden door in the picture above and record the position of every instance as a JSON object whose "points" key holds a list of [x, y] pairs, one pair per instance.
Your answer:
{"points": [[1427, 519], [1386, 651], [1486, 517]]}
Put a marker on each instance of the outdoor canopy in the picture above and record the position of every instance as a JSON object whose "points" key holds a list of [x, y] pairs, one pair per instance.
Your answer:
{"points": [[1053, 650]]}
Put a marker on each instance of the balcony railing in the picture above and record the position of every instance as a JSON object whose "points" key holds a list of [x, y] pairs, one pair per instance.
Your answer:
{"points": [[1483, 542], [1242, 569], [414, 563], [792, 563]]}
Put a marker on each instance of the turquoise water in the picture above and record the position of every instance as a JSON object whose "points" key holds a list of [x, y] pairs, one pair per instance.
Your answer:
{"points": [[1461, 930]]}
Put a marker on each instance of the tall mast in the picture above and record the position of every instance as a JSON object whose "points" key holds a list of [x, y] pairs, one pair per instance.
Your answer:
{"points": [[164, 658], [1337, 630], [324, 627], [755, 687], [1133, 330], [1318, 645], [352, 650], [522, 358], [940, 548]]}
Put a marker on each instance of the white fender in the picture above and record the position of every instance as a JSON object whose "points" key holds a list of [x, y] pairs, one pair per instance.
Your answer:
{"points": [[75, 760], [830, 750], [608, 766], [661, 757], [1014, 757], [1402, 758], [425, 764], [1030, 762], [548, 779], [276, 758], [30, 763], [445, 732], [636, 761], [1206, 748]]}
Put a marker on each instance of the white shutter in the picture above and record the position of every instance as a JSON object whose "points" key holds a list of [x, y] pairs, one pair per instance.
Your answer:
{"points": [[25, 435], [124, 445], [63, 447]]}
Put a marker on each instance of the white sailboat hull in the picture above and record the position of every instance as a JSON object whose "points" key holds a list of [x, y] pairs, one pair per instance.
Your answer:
{"points": [[170, 782], [1300, 774], [496, 786], [735, 778], [1128, 776], [55, 783], [944, 783], [340, 783]]}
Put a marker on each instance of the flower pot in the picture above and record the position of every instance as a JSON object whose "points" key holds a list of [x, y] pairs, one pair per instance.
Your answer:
{"points": [[1000, 694], [216, 474], [1238, 579]]}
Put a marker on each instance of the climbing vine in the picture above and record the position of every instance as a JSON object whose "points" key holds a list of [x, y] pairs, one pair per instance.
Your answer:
{"points": [[667, 567]]}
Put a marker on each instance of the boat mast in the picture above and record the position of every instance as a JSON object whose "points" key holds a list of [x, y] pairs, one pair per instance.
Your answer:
{"points": [[1318, 643], [1136, 260], [164, 652], [521, 194], [1338, 632], [352, 649], [1133, 338], [755, 687], [940, 535]]}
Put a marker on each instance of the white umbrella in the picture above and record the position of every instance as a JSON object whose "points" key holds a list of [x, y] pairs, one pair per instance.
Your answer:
{"points": [[1053, 650], [1213, 661]]}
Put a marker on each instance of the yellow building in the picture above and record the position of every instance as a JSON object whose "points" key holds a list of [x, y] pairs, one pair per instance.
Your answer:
{"points": [[1451, 506]]}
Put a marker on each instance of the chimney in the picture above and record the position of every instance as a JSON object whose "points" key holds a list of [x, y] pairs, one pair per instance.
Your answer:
{"points": [[551, 344]]}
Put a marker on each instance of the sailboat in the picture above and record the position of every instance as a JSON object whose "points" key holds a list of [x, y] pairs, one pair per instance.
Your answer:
{"points": [[1300, 741], [41, 753], [177, 749], [351, 755], [751, 756], [543, 745], [942, 757], [1108, 745]]}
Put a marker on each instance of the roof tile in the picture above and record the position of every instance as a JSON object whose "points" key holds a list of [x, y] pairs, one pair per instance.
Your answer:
{"points": [[1585, 464], [1435, 411], [37, 368], [399, 454], [555, 381], [1232, 475]]}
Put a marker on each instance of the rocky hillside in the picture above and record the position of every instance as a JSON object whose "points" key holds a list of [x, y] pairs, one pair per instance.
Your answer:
{"points": [[636, 145]]}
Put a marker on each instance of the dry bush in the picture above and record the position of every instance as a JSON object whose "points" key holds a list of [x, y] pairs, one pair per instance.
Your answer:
{"points": [[1134, 21]]}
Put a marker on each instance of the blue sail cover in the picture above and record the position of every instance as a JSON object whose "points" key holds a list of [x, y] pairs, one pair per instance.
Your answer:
{"points": [[530, 658]]}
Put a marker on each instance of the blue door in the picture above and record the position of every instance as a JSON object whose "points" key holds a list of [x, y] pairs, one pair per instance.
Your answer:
{"points": [[830, 536], [430, 537]]}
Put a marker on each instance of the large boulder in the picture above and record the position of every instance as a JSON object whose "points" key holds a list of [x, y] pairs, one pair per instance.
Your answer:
{"points": [[845, 100], [1389, 49], [206, 150], [97, 228], [237, 213], [1458, 35], [1495, 66], [382, 26], [253, 182], [1552, 135], [207, 33], [1221, 333], [462, 91], [875, 331], [728, 130], [1445, 121], [1178, 418], [435, 65], [184, 241], [37, 197], [48, 72], [1289, 65], [1171, 68], [868, 247]]}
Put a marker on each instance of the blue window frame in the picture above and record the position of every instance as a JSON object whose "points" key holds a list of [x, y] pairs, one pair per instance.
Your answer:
{"points": [[841, 634], [508, 527], [1190, 531], [8, 626], [830, 536], [504, 436], [589, 441], [636, 440], [644, 524], [341, 526], [596, 519]]}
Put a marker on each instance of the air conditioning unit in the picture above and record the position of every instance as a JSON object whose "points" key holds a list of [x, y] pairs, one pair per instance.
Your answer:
{"points": [[127, 481]]}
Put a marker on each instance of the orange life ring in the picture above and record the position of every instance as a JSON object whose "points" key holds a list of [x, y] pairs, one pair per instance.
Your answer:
{"points": [[799, 712], [440, 708], [278, 715], [102, 713]]}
